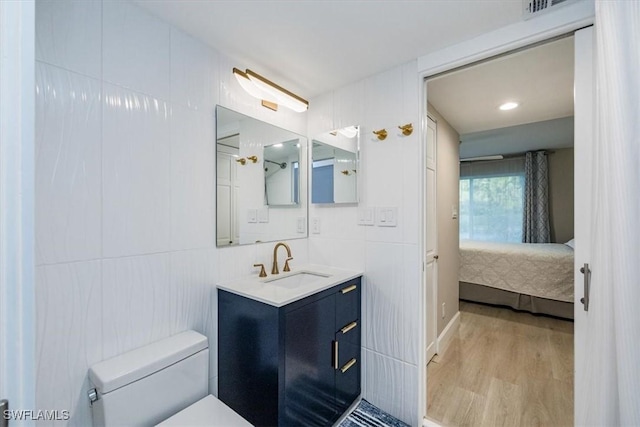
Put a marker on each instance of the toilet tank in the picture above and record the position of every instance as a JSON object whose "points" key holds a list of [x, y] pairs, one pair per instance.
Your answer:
{"points": [[149, 384]]}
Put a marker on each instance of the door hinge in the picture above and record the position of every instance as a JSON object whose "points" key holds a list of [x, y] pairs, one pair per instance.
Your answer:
{"points": [[587, 286]]}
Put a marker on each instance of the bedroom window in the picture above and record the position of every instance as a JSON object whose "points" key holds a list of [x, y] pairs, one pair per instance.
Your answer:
{"points": [[491, 201]]}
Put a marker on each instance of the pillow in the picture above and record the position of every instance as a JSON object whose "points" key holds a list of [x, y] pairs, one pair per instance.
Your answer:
{"points": [[571, 244]]}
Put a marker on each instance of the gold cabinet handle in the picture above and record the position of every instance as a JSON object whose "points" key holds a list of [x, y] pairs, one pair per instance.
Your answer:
{"points": [[335, 354], [349, 289], [349, 327], [348, 365]]}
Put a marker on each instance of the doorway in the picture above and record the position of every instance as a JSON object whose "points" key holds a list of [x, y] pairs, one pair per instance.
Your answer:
{"points": [[497, 138]]}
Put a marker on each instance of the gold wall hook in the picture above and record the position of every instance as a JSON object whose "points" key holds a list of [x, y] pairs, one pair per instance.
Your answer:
{"points": [[346, 172], [242, 161], [406, 129], [381, 134], [253, 159]]}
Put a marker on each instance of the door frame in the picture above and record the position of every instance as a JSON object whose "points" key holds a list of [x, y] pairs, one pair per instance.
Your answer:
{"points": [[565, 19], [17, 195]]}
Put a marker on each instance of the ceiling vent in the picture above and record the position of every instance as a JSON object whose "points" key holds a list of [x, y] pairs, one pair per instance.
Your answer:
{"points": [[537, 7]]}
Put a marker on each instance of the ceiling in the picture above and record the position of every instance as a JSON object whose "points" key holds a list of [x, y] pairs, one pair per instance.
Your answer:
{"points": [[540, 79], [314, 46]]}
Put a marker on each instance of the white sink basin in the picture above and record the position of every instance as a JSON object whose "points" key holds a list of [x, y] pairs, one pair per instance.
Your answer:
{"points": [[296, 279]]}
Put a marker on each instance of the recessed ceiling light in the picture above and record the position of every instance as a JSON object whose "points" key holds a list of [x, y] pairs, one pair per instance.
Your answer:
{"points": [[508, 106]]}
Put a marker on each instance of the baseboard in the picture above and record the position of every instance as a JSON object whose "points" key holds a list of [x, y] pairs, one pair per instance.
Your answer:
{"points": [[428, 422], [444, 339]]}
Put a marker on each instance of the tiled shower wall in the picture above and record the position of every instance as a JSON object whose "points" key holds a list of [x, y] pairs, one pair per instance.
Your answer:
{"points": [[390, 176], [125, 197]]}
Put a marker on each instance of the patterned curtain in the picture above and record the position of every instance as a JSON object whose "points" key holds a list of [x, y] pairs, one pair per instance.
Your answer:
{"points": [[535, 226]]}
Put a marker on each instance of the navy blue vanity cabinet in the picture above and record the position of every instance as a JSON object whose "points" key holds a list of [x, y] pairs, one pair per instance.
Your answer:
{"points": [[283, 366]]}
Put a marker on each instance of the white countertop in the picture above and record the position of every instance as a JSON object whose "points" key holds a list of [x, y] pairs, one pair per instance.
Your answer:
{"points": [[267, 290]]}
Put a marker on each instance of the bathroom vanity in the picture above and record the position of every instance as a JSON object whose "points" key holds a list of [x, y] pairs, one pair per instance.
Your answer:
{"points": [[289, 346]]}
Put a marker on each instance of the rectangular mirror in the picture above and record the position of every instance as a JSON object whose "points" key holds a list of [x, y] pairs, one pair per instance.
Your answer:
{"points": [[261, 176], [335, 163]]}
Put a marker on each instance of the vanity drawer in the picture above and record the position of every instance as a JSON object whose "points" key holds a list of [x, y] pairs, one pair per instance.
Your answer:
{"points": [[348, 302]]}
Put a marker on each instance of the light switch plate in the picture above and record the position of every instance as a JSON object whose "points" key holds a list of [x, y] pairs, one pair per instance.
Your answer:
{"points": [[366, 216], [263, 215], [302, 224], [387, 217], [315, 225], [252, 215]]}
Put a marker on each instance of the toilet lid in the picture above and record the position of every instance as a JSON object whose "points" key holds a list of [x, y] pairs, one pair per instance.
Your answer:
{"points": [[207, 411]]}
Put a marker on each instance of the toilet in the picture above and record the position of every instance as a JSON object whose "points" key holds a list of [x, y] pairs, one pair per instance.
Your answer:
{"points": [[165, 383]]}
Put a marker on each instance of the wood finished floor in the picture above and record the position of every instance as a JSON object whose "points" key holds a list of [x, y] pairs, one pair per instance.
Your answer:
{"points": [[503, 368]]}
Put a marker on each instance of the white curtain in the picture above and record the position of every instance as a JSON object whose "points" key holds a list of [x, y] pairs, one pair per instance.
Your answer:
{"points": [[614, 319]]}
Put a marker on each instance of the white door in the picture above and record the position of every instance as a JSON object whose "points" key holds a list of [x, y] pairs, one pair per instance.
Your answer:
{"points": [[431, 266], [226, 198], [583, 156], [17, 125]]}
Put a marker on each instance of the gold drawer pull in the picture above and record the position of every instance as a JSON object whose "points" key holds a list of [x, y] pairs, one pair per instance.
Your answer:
{"points": [[335, 354], [349, 289], [349, 327], [348, 365]]}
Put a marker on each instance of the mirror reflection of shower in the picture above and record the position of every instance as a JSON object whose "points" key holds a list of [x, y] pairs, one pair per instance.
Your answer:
{"points": [[282, 165], [281, 180]]}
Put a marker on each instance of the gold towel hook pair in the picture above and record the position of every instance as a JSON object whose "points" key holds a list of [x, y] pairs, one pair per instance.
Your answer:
{"points": [[406, 131], [243, 161]]}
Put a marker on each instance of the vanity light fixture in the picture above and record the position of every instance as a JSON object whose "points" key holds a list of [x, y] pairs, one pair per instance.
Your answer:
{"points": [[270, 93], [508, 106]]}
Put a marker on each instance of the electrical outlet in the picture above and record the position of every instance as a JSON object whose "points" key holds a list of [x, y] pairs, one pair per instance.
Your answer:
{"points": [[443, 310], [315, 225]]}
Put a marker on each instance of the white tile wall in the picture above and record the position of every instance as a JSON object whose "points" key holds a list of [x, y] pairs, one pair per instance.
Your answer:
{"points": [[69, 313], [383, 382], [137, 301], [192, 179], [194, 74], [68, 179], [69, 35], [136, 49], [136, 179]]}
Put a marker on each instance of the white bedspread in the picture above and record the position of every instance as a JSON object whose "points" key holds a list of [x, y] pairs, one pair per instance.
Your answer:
{"points": [[540, 269]]}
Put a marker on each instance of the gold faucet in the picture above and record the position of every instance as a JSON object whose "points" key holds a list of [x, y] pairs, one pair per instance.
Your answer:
{"points": [[275, 270]]}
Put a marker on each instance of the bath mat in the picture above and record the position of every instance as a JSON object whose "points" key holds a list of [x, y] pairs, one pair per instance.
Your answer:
{"points": [[367, 415]]}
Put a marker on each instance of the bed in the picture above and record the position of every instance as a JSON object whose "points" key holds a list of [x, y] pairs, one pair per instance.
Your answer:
{"points": [[535, 277]]}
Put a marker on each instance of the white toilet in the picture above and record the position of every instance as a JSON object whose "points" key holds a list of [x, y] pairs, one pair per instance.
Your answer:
{"points": [[165, 383]]}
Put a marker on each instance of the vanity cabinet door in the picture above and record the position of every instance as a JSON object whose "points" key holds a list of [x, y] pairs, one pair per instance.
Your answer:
{"points": [[309, 375]]}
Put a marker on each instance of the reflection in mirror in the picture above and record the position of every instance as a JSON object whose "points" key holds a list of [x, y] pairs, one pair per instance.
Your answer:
{"points": [[261, 175], [281, 173], [334, 175]]}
